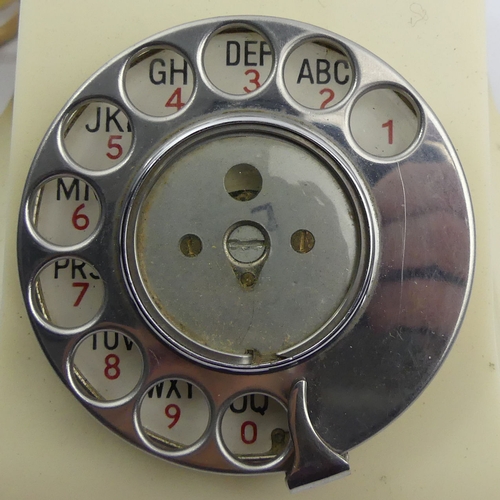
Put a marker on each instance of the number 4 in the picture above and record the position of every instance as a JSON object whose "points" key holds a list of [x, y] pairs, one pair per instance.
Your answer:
{"points": [[175, 100]]}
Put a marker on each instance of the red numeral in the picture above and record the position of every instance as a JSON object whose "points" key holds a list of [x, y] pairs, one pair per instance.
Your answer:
{"points": [[254, 80], [331, 96], [80, 221], [85, 287], [390, 130], [112, 372], [175, 100], [253, 432], [173, 412], [112, 144]]}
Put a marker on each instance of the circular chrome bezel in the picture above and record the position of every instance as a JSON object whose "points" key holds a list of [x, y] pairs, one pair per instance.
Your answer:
{"points": [[345, 175]]}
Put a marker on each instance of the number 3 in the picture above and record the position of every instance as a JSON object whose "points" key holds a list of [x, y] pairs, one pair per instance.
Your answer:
{"points": [[254, 80]]}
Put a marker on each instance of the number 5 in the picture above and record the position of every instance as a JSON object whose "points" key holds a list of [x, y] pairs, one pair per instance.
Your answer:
{"points": [[112, 144]]}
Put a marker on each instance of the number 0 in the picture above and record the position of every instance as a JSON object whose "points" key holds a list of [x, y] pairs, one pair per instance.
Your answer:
{"points": [[251, 436]]}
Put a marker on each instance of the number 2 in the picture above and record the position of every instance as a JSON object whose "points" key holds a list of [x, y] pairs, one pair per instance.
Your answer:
{"points": [[331, 96]]}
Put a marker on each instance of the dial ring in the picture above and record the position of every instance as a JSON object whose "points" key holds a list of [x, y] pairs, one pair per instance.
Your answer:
{"points": [[423, 187]]}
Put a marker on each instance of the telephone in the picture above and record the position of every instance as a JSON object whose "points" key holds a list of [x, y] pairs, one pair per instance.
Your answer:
{"points": [[312, 148]]}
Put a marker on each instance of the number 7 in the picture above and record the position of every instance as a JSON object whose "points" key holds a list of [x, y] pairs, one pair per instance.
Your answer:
{"points": [[85, 287]]}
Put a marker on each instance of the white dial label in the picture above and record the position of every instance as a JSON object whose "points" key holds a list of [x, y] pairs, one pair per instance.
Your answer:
{"points": [[98, 135], [159, 82], [318, 76], [68, 292], [255, 424], [107, 365], [65, 211], [174, 413], [384, 122], [238, 61]]}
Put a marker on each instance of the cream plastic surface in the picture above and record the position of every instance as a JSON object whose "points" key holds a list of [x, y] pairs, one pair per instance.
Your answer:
{"points": [[445, 446]]}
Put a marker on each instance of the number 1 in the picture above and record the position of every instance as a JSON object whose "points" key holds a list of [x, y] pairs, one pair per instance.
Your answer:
{"points": [[390, 129]]}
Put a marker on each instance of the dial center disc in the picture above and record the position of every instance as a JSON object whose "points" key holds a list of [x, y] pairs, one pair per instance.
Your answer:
{"points": [[247, 245]]}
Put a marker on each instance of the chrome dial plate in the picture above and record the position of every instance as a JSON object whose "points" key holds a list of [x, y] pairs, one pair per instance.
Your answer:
{"points": [[408, 248]]}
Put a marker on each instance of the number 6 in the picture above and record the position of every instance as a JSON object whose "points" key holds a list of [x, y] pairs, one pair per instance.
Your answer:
{"points": [[80, 221]]}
